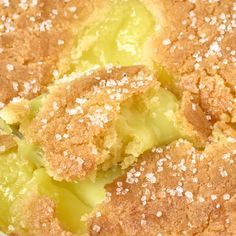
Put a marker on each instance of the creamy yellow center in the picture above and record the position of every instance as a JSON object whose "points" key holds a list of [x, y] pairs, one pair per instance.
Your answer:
{"points": [[145, 121], [118, 39]]}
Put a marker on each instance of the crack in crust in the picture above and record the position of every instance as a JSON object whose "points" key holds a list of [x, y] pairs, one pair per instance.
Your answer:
{"points": [[197, 45], [34, 37], [77, 113], [177, 190], [90, 105]]}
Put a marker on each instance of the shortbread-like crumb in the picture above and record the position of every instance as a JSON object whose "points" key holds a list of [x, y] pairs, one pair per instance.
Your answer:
{"points": [[76, 115], [176, 190], [40, 218], [198, 46], [34, 37]]}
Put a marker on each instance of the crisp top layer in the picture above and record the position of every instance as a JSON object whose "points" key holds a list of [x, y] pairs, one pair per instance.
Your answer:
{"points": [[176, 190], [77, 113]]}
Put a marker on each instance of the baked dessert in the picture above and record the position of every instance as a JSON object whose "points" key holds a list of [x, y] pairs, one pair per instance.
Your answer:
{"points": [[117, 117], [175, 190]]}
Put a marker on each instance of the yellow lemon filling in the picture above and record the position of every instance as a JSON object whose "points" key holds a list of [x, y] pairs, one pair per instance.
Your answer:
{"points": [[20, 180], [118, 39]]}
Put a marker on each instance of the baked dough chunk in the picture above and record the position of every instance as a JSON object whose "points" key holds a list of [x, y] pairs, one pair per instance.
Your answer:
{"points": [[33, 38], [42, 40], [87, 123], [176, 190], [197, 46], [41, 220], [77, 113]]}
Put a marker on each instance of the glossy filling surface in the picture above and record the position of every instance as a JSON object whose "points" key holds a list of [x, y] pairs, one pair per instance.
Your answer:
{"points": [[118, 39]]}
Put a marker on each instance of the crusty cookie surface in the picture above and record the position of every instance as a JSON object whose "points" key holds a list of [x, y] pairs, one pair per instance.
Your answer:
{"points": [[197, 45], [77, 114], [75, 123], [176, 190], [41, 220], [195, 42], [185, 188], [33, 38]]}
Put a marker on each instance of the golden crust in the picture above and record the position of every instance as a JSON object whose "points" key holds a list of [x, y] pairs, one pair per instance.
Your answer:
{"points": [[177, 190], [76, 115], [40, 218], [33, 39], [197, 45], [196, 123], [7, 142]]}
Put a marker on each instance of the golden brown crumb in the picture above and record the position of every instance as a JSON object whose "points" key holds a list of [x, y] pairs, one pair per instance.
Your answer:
{"points": [[34, 36], [196, 121], [7, 142], [40, 218], [197, 45], [76, 115], [176, 190]]}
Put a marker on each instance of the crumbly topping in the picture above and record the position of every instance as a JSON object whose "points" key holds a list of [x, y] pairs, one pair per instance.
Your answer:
{"points": [[198, 46], [34, 36], [177, 189], [40, 218], [7, 142], [186, 196], [76, 115]]}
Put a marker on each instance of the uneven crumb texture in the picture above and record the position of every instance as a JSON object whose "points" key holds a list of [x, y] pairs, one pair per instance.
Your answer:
{"points": [[144, 121], [197, 45], [41, 218], [33, 38], [176, 190], [119, 113], [89, 105], [41, 40], [32, 203]]}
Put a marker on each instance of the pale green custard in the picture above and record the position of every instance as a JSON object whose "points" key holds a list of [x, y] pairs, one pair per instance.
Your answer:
{"points": [[19, 179]]}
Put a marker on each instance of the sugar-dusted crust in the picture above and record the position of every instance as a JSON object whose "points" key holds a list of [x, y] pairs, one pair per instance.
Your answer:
{"points": [[76, 115], [197, 45], [195, 41], [35, 40], [177, 190], [40, 218], [196, 122]]}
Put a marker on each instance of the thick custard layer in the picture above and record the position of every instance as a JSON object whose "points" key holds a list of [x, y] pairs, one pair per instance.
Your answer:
{"points": [[118, 39]]}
